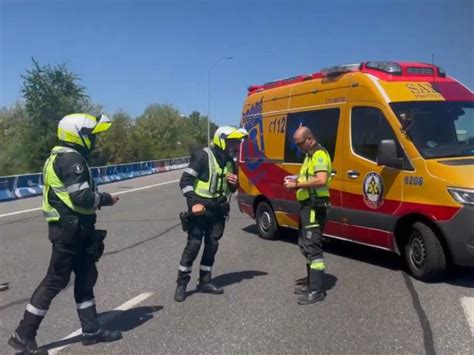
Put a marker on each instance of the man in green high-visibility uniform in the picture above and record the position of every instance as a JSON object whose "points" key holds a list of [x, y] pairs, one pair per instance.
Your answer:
{"points": [[312, 191], [70, 201]]}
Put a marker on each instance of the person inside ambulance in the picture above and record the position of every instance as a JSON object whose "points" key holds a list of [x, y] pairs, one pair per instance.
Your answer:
{"points": [[70, 202], [207, 184]]}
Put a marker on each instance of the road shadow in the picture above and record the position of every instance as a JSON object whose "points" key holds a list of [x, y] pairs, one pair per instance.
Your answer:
{"points": [[124, 321], [231, 278], [345, 249], [461, 276], [457, 276]]}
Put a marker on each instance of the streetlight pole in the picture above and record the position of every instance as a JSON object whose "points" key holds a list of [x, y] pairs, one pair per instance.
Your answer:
{"points": [[209, 97]]}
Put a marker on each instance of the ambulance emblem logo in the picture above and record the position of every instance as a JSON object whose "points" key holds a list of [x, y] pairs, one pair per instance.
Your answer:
{"points": [[373, 190]]}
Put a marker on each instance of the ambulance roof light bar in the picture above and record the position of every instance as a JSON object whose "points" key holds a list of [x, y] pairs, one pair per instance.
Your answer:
{"points": [[387, 67], [276, 83], [340, 69]]}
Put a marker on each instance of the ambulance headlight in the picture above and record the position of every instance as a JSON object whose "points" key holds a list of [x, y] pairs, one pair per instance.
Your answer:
{"points": [[463, 196]]}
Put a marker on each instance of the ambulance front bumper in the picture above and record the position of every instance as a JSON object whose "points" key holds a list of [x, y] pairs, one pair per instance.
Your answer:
{"points": [[459, 233]]}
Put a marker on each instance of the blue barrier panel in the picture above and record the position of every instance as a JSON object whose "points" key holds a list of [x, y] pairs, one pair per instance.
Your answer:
{"points": [[6, 188], [28, 185], [147, 168], [12, 187], [95, 175]]}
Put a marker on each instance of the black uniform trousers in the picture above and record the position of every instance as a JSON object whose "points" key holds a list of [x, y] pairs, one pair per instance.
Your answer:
{"points": [[310, 238], [210, 226], [70, 244], [313, 217]]}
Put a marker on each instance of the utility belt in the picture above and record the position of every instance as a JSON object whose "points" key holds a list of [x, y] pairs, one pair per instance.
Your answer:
{"points": [[318, 207], [220, 210], [71, 232], [316, 202]]}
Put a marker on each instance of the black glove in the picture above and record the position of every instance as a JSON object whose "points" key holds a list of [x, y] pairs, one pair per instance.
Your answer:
{"points": [[105, 199]]}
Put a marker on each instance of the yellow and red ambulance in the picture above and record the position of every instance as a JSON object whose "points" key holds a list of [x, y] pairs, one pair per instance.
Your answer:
{"points": [[401, 140]]}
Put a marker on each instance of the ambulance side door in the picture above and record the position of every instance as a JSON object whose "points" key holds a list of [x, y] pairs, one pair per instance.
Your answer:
{"points": [[371, 194]]}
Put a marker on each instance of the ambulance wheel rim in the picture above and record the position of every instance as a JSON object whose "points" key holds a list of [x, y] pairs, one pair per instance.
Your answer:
{"points": [[417, 251], [266, 221]]}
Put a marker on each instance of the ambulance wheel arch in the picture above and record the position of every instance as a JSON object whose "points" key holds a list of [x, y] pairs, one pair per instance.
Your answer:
{"points": [[423, 248], [267, 224]]}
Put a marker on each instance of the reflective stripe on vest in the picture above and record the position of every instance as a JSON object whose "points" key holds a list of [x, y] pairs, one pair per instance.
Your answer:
{"points": [[307, 170], [216, 186], [52, 181]]}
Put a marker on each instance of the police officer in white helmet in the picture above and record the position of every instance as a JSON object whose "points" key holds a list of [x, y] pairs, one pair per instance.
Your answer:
{"points": [[207, 183], [70, 202]]}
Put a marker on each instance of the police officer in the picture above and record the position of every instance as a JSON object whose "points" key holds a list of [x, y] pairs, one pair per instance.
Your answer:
{"points": [[312, 192], [207, 183], [70, 201]]}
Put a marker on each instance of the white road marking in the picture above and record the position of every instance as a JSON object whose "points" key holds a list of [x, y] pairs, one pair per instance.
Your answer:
{"points": [[115, 193], [103, 319], [468, 304]]}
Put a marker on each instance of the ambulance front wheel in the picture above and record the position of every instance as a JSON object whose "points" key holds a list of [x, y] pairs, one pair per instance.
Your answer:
{"points": [[424, 253], [267, 224]]}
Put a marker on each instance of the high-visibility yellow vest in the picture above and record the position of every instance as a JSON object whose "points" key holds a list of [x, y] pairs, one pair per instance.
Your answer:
{"points": [[216, 186], [319, 160], [52, 181]]}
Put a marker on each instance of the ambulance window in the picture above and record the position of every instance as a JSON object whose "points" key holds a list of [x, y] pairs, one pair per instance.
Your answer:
{"points": [[323, 123], [368, 127]]}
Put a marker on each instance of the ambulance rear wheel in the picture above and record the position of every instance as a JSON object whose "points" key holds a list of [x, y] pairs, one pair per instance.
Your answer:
{"points": [[267, 224], [424, 253]]}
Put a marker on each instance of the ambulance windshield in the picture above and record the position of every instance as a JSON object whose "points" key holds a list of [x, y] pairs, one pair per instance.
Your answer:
{"points": [[439, 129]]}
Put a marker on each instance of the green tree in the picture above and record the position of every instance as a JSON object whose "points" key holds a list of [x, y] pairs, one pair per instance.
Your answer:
{"points": [[158, 132], [50, 93], [115, 146], [195, 131], [13, 126]]}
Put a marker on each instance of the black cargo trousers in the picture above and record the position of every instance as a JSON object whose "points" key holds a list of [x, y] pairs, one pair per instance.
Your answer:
{"points": [[312, 222], [209, 227], [313, 217], [75, 248]]}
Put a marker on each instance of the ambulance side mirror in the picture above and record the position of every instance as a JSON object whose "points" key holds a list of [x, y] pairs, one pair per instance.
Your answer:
{"points": [[387, 155]]}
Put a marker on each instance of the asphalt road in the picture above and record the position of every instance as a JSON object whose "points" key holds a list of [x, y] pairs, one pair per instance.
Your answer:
{"points": [[373, 306]]}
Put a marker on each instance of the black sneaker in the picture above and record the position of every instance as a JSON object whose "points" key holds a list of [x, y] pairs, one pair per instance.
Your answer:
{"points": [[180, 293], [101, 336], [312, 297], [25, 345]]}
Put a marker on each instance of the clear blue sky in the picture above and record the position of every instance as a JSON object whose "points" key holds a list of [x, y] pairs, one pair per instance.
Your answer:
{"points": [[130, 54]]}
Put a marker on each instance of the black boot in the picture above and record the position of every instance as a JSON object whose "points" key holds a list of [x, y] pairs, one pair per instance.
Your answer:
{"points": [[205, 284], [182, 282], [24, 336], [101, 336], [25, 345], [316, 291], [180, 293], [301, 290], [88, 319], [302, 287]]}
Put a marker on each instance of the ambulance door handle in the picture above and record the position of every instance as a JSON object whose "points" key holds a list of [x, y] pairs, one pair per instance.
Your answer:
{"points": [[352, 174]]}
